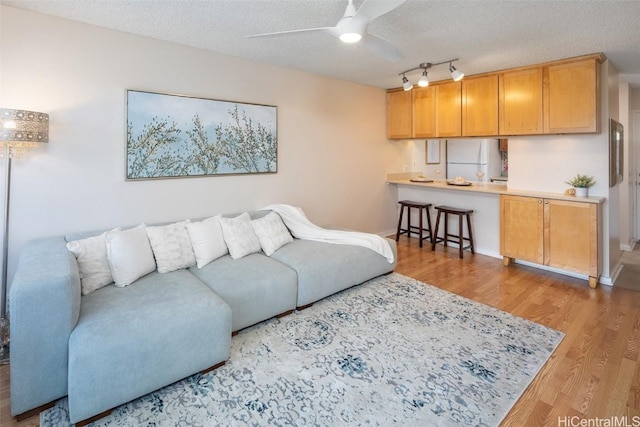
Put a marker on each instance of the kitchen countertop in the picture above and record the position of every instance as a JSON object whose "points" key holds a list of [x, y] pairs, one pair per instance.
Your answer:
{"points": [[492, 188]]}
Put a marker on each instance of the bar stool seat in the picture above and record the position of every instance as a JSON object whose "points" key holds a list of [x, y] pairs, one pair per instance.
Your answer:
{"points": [[454, 238], [423, 233]]}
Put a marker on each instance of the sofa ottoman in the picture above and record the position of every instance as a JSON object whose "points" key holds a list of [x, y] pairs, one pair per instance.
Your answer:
{"points": [[131, 341]]}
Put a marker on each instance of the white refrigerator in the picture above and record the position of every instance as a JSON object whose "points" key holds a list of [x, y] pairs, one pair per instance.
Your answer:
{"points": [[467, 157]]}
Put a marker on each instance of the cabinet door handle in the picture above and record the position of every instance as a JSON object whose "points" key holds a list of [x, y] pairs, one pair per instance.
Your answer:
{"points": [[546, 202], [539, 201]]}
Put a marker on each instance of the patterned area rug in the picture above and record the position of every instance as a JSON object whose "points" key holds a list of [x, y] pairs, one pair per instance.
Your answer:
{"points": [[391, 351]]}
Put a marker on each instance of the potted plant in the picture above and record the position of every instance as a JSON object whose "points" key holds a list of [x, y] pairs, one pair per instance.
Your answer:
{"points": [[581, 183]]}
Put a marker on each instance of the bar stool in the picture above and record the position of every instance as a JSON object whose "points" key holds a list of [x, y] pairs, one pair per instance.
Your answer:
{"points": [[454, 238], [419, 230]]}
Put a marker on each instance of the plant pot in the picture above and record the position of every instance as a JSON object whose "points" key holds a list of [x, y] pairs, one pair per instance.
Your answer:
{"points": [[582, 191]]}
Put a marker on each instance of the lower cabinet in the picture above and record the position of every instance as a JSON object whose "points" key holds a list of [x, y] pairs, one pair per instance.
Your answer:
{"points": [[557, 233]]}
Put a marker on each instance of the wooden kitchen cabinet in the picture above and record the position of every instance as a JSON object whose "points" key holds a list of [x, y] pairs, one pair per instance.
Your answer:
{"points": [[480, 106], [563, 234], [448, 109], [521, 102], [399, 114], [571, 97], [424, 112], [522, 228]]}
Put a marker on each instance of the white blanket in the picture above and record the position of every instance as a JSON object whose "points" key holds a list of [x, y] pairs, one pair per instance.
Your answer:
{"points": [[302, 228]]}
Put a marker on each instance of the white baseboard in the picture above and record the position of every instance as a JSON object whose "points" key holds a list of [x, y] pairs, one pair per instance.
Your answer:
{"points": [[602, 279], [616, 272]]}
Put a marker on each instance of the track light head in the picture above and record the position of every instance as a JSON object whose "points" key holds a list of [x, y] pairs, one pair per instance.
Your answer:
{"points": [[406, 84], [456, 75], [424, 80]]}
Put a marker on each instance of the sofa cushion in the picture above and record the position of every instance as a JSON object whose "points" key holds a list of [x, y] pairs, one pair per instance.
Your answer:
{"points": [[130, 256], [93, 264], [239, 236], [131, 341], [271, 232], [171, 246], [207, 240], [255, 287], [325, 268]]}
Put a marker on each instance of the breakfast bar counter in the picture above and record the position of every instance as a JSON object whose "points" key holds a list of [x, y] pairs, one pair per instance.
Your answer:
{"points": [[490, 188]]}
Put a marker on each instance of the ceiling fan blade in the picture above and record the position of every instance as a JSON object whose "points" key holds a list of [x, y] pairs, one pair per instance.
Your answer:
{"points": [[382, 48], [278, 33], [371, 9]]}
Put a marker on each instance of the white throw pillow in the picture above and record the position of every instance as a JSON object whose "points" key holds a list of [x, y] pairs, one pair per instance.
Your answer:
{"points": [[171, 246], [207, 240], [130, 256], [239, 236], [271, 232], [93, 264]]}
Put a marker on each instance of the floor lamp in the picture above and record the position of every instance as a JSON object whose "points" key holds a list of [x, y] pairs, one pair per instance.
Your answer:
{"points": [[20, 130]]}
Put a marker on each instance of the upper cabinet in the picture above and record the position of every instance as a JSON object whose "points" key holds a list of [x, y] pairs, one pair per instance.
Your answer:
{"points": [[553, 98], [521, 102], [424, 112], [571, 97], [480, 106], [399, 114], [448, 109]]}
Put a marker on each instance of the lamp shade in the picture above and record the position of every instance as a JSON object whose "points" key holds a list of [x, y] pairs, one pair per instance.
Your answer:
{"points": [[424, 80], [20, 126], [456, 75]]}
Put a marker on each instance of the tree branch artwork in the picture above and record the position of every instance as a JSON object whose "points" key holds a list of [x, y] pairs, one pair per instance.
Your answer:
{"points": [[219, 137]]}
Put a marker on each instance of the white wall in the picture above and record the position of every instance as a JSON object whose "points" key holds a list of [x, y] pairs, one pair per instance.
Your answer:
{"points": [[419, 160], [627, 189], [333, 155]]}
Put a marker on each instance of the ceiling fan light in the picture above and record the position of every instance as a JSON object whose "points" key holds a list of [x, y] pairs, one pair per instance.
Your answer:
{"points": [[350, 37], [424, 80], [406, 84], [456, 75]]}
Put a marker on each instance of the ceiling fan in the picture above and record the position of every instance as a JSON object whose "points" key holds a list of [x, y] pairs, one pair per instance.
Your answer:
{"points": [[352, 28]]}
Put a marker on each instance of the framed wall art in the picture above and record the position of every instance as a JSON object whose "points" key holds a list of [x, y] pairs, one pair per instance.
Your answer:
{"points": [[616, 152], [433, 151], [177, 136]]}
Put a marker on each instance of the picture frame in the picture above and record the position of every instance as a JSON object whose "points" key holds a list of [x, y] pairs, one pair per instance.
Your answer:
{"points": [[179, 136], [432, 149], [616, 152]]}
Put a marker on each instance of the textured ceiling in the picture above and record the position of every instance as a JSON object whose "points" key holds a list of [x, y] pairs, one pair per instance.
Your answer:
{"points": [[486, 35]]}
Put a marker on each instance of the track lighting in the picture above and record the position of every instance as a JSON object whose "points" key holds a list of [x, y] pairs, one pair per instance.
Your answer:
{"points": [[456, 75], [406, 84]]}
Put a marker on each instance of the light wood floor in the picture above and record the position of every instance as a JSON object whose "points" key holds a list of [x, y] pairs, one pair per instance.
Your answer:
{"points": [[595, 372]]}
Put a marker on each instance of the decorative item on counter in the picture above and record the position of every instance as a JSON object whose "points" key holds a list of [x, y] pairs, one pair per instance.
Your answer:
{"points": [[581, 184], [570, 191], [458, 180], [420, 178]]}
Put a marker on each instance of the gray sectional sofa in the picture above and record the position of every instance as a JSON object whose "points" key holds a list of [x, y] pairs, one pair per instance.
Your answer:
{"points": [[119, 343]]}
